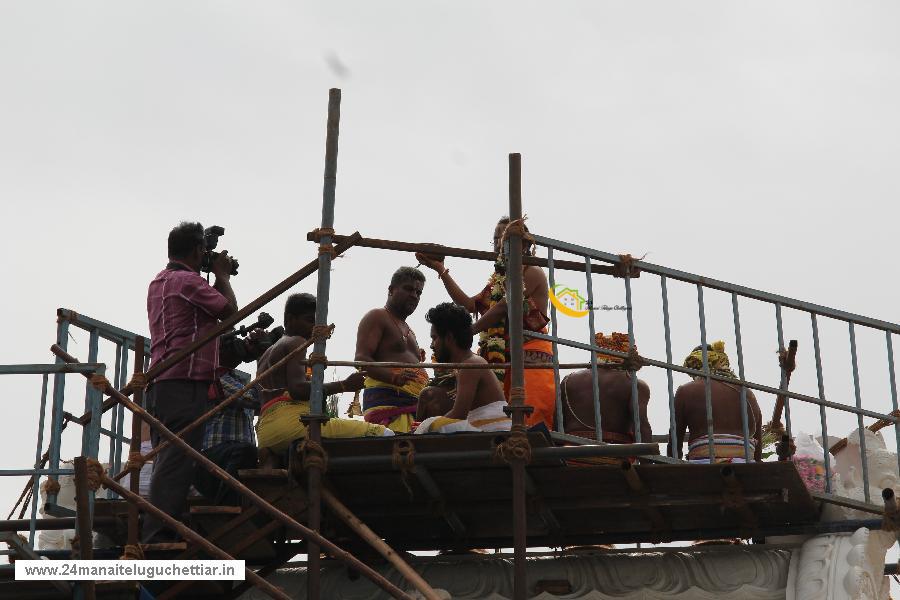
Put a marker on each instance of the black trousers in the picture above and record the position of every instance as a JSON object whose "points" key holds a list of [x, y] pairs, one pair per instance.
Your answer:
{"points": [[175, 402], [231, 456]]}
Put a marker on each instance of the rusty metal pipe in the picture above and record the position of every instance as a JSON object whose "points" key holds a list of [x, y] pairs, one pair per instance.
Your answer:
{"points": [[439, 250], [134, 483]]}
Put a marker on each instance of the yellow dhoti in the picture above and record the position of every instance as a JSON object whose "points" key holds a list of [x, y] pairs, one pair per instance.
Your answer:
{"points": [[279, 425]]}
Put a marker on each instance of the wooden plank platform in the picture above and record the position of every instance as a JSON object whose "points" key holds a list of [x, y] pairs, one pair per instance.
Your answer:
{"points": [[567, 505]]}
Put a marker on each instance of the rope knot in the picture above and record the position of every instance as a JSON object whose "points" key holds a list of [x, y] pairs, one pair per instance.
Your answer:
{"points": [[403, 456], [318, 233], [515, 448], [517, 227], [99, 383], [95, 474], [625, 267], [135, 462], [634, 361], [328, 249], [313, 455], [517, 395], [138, 381], [316, 358], [320, 333], [51, 486], [132, 552], [787, 362]]}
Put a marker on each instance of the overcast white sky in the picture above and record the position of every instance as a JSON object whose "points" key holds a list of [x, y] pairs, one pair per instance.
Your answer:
{"points": [[755, 143]]}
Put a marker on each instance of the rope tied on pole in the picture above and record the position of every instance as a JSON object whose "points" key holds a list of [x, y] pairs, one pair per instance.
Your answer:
{"points": [[516, 395], [95, 474], [99, 382], [321, 333], [625, 267], [313, 455], [135, 462], [318, 233], [515, 448], [316, 358], [517, 227], [403, 456], [132, 552], [51, 486], [138, 381], [634, 361], [14, 554]]}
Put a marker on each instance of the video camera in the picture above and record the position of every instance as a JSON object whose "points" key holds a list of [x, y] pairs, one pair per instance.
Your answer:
{"points": [[234, 344], [211, 237]]}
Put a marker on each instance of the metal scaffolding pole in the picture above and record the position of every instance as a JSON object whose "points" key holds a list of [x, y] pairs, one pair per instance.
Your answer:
{"points": [[316, 415], [518, 408]]}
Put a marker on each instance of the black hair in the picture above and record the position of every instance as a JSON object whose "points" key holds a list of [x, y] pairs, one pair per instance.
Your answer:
{"points": [[406, 274], [299, 304], [451, 318], [709, 348], [183, 238]]}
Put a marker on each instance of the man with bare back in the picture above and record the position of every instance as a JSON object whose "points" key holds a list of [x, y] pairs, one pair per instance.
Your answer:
{"points": [[479, 401], [690, 412], [285, 391], [391, 394], [614, 386]]}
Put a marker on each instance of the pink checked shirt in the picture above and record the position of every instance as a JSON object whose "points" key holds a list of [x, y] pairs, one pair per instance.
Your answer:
{"points": [[181, 306]]}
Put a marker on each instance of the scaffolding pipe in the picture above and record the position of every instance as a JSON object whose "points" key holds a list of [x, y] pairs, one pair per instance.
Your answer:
{"points": [[518, 408], [314, 419], [134, 482]]}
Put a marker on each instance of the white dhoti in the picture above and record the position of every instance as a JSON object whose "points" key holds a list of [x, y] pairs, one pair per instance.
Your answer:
{"points": [[484, 418]]}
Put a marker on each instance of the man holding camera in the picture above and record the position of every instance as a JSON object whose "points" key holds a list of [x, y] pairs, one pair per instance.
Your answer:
{"points": [[181, 307]]}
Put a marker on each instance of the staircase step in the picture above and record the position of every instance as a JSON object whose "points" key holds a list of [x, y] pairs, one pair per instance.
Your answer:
{"points": [[215, 510], [263, 474]]}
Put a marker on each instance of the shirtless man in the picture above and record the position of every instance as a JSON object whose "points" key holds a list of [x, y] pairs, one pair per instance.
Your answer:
{"points": [[391, 395], [690, 412], [285, 391], [490, 304], [614, 383], [479, 401]]}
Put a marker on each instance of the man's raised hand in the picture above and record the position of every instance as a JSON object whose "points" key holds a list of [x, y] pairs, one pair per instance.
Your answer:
{"points": [[433, 262]]}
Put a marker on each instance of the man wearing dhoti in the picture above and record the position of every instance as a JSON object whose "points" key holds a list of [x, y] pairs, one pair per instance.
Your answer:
{"points": [[391, 394], [285, 391], [490, 304], [690, 412], [479, 402]]}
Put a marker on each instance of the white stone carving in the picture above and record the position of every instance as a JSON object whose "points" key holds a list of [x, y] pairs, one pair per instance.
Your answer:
{"points": [[848, 474], [840, 567]]}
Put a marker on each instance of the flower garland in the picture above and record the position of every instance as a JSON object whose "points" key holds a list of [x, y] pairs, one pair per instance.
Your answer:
{"points": [[492, 342]]}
